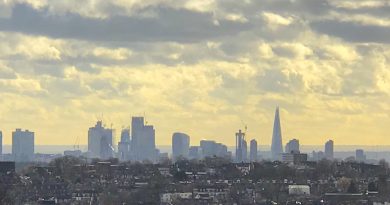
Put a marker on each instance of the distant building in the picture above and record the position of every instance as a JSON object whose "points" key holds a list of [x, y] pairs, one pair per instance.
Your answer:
{"points": [[292, 146], [23, 145], [100, 141], [329, 152], [208, 148], [221, 150], [73, 153], [276, 146], [317, 156], [213, 149], [124, 146], [360, 156], [253, 151], [143, 144], [180, 146], [195, 152], [163, 157], [241, 147], [294, 158]]}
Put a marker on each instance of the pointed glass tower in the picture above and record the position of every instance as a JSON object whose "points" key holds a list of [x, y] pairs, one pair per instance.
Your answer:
{"points": [[276, 147]]}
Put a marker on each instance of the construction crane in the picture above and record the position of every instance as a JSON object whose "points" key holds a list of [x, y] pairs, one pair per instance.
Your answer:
{"points": [[77, 143], [245, 127]]}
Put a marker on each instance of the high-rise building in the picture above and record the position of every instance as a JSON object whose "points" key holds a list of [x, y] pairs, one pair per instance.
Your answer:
{"points": [[100, 141], [213, 149], [241, 147], [360, 156], [195, 152], [317, 156], [253, 151], [292, 146], [221, 150], [143, 145], [124, 146], [276, 146], [23, 145], [329, 150], [208, 148], [180, 145]]}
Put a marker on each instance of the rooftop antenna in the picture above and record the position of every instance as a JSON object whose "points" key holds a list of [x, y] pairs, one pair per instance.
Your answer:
{"points": [[245, 126], [146, 122]]}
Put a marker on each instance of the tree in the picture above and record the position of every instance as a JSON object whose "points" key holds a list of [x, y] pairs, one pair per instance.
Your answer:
{"points": [[352, 187], [343, 184]]}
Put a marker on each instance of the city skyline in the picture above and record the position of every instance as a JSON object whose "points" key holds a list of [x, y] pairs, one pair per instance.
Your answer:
{"points": [[325, 62], [195, 102]]}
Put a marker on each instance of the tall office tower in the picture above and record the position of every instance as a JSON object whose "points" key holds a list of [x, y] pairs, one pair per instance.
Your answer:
{"points": [[195, 152], [329, 150], [292, 146], [360, 156], [221, 150], [244, 151], [211, 148], [100, 141], [208, 148], [143, 146], [23, 145], [253, 151], [124, 146], [180, 146], [276, 147], [241, 147]]}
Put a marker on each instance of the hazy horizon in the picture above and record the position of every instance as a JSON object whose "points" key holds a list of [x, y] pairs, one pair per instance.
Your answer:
{"points": [[58, 149]]}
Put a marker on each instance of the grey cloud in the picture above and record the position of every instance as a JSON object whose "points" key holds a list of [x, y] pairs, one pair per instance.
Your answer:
{"points": [[380, 11], [6, 73], [170, 24], [353, 32], [300, 7], [277, 81]]}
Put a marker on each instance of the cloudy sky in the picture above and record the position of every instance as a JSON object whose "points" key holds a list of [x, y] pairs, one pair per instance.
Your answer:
{"points": [[206, 68]]}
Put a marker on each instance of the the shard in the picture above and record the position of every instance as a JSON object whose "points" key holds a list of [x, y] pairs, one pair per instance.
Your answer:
{"points": [[276, 147]]}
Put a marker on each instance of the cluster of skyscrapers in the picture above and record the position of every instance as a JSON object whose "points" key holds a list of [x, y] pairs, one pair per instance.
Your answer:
{"points": [[139, 146], [181, 148], [137, 143], [242, 148]]}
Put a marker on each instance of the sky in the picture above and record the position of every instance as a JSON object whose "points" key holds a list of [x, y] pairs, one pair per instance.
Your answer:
{"points": [[206, 68]]}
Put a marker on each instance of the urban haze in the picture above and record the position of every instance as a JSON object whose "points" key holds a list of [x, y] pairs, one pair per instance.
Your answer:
{"points": [[194, 102]]}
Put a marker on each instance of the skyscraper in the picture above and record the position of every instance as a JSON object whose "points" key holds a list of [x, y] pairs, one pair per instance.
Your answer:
{"points": [[276, 147], [329, 149], [143, 146], [23, 145], [195, 152], [124, 146], [180, 145], [292, 146], [241, 147], [100, 141], [253, 151], [211, 148], [360, 156]]}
